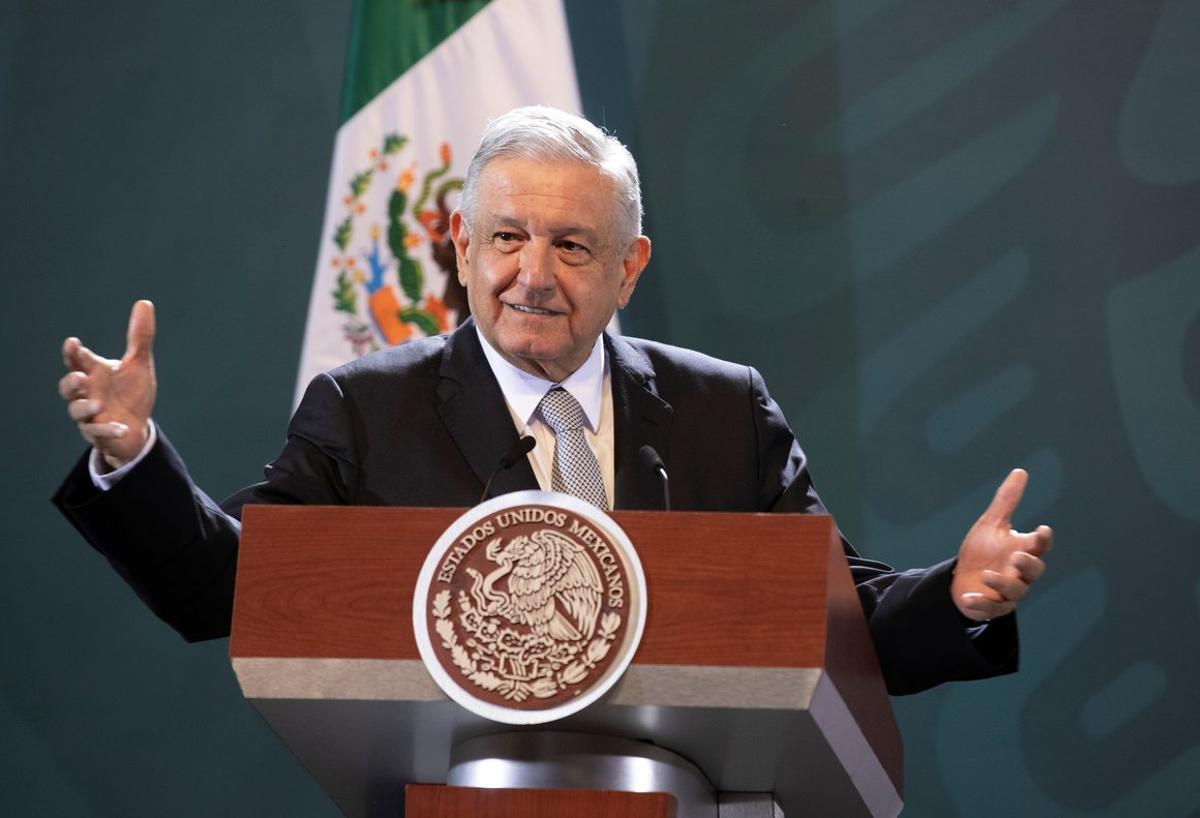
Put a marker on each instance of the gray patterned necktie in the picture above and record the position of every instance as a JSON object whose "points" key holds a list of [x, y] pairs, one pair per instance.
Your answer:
{"points": [[576, 470]]}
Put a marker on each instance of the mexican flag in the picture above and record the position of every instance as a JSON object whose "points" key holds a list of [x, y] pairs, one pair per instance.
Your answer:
{"points": [[423, 78]]}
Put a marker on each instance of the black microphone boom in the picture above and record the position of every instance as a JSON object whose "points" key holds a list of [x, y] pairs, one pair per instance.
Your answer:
{"points": [[651, 460], [518, 450]]}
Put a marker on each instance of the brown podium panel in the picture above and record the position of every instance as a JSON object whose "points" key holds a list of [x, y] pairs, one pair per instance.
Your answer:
{"points": [[755, 662], [438, 801]]}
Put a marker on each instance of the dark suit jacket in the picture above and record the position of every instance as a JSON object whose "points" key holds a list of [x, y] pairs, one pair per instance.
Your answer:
{"points": [[425, 423]]}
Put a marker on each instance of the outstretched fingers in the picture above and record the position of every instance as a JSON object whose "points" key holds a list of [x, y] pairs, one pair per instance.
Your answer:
{"points": [[72, 385], [82, 410], [1007, 498], [980, 608], [1043, 537], [139, 338], [77, 357], [996, 564], [1009, 588], [1027, 566], [98, 433], [1004, 589]]}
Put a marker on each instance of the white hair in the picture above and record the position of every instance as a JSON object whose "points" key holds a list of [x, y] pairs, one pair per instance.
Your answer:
{"points": [[550, 135]]}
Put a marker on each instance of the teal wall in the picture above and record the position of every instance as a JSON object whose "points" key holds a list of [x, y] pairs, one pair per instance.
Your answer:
{"points": [[955, 237]]}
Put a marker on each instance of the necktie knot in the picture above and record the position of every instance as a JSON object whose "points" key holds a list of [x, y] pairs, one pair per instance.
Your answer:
{"points": [[561, 411]]}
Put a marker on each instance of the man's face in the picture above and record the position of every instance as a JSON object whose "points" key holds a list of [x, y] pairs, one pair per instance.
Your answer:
{"points": [[543, 262]]}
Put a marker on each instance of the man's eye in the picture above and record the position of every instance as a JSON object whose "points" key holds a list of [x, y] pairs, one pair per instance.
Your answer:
{"points": [[506, 241], [572, 247]]}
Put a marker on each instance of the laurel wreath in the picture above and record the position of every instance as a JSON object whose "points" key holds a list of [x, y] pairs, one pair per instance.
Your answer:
{"points": [[441, 610], [542, 688]]}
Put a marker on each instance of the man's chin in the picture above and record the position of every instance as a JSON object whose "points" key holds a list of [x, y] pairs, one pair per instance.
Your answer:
{"points": [[540, 359]]}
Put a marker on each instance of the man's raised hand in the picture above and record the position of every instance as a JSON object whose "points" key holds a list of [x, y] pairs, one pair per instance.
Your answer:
{"points": [[110, 401], [996, 565]]}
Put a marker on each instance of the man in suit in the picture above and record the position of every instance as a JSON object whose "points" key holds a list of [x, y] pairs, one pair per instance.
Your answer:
{"points": [[549, 245]]}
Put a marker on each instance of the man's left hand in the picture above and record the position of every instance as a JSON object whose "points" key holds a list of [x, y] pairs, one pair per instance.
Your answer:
{"points": [[996, 565]]}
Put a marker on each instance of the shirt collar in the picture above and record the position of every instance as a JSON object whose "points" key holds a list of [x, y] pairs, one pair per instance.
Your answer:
{"points": [[524, 391]]}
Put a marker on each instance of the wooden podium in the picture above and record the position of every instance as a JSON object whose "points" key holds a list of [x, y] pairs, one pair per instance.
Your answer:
{"points": [[755, 663]]}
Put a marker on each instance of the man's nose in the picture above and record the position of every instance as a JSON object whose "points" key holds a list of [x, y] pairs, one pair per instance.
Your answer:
{"points": [[537, 266]]}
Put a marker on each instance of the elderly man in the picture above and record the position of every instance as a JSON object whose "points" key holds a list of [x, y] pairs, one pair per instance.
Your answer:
{"points": [[549, 246]]}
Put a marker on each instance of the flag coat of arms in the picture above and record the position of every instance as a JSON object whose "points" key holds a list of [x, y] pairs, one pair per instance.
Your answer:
{"points": [[422, 81]]}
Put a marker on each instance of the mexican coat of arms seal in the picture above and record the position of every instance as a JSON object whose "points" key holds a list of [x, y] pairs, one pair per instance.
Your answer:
{"points": [[529, 607]]}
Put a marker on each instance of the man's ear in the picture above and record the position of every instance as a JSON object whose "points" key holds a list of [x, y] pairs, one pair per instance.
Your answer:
{"points": [[460, 234], [636, 259]]}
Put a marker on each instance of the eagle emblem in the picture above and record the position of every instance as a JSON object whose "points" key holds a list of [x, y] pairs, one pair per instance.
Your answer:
{"points": [[552, 585], [529, 607], [532, 625]]}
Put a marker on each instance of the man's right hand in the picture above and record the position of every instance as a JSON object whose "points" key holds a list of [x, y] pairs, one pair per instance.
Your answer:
{"points": [[110, 401]]}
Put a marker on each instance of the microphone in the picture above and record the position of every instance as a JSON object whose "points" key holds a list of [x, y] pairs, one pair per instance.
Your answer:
{"points": [[518, 450], [652, 461]]}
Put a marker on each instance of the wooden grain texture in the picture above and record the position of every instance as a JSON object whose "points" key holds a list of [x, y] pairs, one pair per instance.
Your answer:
{"points": [[745, 590], [436, 801], [732, 590], [334, 582]]}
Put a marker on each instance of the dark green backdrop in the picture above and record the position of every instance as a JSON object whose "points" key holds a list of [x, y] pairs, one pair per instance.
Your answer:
{"points": [[955, 237]]}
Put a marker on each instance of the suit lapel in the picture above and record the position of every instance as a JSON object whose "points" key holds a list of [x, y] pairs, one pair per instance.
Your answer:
{"points": [[641, 418], [472, 407]]}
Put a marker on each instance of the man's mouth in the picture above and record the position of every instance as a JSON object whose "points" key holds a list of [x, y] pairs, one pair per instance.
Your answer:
{"points": [[530, 310]]}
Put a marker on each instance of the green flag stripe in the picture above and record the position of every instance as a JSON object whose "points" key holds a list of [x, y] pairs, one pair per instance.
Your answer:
{"points": [[388, 36]]}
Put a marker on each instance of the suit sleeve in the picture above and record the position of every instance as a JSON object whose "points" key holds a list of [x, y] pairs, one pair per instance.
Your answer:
{"points": [[920, 637], [174, 545]]}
